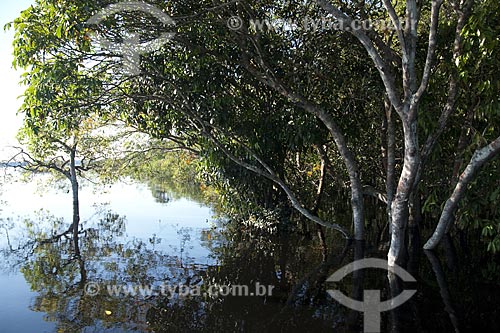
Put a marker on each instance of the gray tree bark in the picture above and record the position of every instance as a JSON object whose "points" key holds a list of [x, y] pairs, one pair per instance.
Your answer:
{"points": [[357, 204], [406, 106], [480, 157]]}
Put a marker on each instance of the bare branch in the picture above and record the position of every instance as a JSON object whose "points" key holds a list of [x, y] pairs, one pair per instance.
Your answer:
{"points": [[396, 23], [380, 64], [431, 48], [453, 92], [29, 163]]}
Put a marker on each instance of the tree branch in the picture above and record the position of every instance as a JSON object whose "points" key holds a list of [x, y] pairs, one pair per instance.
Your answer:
{"points": [[380, 64], [480, 157], [431, 49]]}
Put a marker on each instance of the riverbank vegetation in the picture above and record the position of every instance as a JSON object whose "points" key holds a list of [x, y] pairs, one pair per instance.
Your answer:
{"points": [[387, 132]]}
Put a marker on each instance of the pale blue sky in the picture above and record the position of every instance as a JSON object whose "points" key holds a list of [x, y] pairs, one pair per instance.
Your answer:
{"points": [[9, 78]]}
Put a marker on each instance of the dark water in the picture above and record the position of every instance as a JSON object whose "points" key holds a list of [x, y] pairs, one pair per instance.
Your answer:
{"points": [[169, 258]]}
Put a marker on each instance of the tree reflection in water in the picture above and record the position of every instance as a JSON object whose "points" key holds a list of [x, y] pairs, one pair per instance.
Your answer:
{"points": [[59, 273], [241, 255]]}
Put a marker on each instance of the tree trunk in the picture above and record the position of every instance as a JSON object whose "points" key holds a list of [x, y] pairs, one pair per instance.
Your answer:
{"points": [[357, 204], [317, 202], [400, 204], [480, 157], [340, 141], [76, 204], [391, 161]]}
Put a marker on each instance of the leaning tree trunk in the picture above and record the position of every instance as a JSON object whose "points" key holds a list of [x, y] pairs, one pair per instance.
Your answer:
{"points": [[480, 157], [357, 204]]}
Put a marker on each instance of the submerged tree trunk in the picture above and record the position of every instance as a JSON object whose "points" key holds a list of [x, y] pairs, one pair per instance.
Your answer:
{"points": [[400, 204], [414, 223], [406, 107], [76, 204], [68, 169], [317, 202], [358, 277], [357, 204], [480, 157]]}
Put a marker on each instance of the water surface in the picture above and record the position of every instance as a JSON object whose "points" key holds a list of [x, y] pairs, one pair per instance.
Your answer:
{"points": [[134, 234]]}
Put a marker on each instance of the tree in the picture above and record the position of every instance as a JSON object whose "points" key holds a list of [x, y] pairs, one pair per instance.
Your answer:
{"points": [[407, 97], [220, 89], [61, 127]]}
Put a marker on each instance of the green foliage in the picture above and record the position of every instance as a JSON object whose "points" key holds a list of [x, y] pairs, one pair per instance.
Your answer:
{"points": [[208, 91], [169, 175]]}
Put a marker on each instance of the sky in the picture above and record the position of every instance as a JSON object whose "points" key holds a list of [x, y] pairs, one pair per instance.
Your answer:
{"points": [[10, 90]]}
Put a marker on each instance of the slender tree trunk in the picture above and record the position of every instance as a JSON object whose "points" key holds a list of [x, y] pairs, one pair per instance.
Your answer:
{"points": [[391, 161], [348, 157], [480, 157], [351, 164], [317, 202], [76, 203]]}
